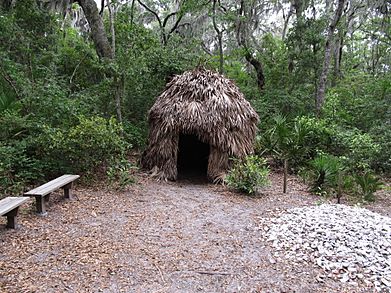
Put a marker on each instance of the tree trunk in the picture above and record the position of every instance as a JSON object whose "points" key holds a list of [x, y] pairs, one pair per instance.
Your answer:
{"points": [[98, 32], [112, 27], [219, 39], [221, 53], [285, 175], [286, 22], [119, 86], [118, 82], [132, 13], [320, 94], [339, 191], [242, 38], [258, 69], [337, 59], [299, 6], [102, 44]]}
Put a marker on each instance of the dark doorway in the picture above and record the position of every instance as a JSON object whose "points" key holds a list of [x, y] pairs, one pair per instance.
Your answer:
{"points": [[193, 157]]}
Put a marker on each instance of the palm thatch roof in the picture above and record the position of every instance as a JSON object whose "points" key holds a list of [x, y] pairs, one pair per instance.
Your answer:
{"points": [[208, 105]]}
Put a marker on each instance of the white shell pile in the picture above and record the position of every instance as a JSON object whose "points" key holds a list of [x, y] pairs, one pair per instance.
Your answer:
{"points": [[350, 244]]}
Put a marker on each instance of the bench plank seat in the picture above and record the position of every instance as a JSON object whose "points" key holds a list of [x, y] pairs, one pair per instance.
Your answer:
{"points": [[52, 185], [9, 207], [41, 193]]}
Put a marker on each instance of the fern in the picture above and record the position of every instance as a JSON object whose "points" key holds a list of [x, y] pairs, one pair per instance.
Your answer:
{"points": [[369, 184]]}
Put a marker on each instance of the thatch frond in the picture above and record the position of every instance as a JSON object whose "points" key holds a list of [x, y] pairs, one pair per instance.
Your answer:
{"points": [[204, 103]]}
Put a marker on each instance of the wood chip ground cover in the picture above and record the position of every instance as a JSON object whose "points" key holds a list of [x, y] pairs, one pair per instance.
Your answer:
{"points": [[158, 237]]}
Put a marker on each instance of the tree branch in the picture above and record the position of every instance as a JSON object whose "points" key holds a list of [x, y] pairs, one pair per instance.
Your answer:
{"points": [[286, 20], [132, 13], [174, 26], [76, 67], [9, 80], [168, 17], [214, 19], [153, 12], [102, 7], [222, 7]]}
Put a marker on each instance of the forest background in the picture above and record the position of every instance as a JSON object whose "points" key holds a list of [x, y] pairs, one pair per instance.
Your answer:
{"points": [[76, 83]]}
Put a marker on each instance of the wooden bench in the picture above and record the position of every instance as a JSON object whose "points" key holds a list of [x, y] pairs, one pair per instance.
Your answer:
{"points": [[42, 192], [9, 208]]}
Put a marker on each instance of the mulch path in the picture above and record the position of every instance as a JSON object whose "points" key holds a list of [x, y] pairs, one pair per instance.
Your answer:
{"points": [[158, 237]]}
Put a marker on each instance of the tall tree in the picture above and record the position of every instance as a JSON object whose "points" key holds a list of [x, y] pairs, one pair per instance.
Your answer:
{"points": [[98, 32], [219, 32], [344, 26], [112, 26], [102, 44], [286, 18], [243, 38], [320, 94], [93, 17]]}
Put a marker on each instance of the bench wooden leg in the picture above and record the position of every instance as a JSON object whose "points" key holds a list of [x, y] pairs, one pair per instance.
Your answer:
{"points": [[68, 191], [11, 218], [40, 204]]}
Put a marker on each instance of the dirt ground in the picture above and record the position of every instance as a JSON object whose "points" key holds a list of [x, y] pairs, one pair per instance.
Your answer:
{"points": [[159, 237]]}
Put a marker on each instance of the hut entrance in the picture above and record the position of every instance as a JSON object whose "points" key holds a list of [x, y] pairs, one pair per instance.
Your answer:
{"points": [[193, 157]]}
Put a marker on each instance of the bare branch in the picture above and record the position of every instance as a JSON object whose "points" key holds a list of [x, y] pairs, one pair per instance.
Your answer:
{"points": [[175, 26], [168, 17], [9, 80], [132, 13], [214, 18], [76, 67], [102, 7], [112, 26], [153, 12]]}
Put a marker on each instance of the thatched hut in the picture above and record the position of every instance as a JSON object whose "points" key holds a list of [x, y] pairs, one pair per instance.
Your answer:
{"points": [[199, 121]]}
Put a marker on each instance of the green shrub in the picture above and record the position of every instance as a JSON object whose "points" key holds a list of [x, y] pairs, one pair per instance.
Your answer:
{"points": [[368, 184], [359, 148], [18, 165], [119, 174], [248, 174], [319, 134], [299, 139], [13, 126], [275, 140], [381, 134], [324, 172], [361, 101], [134, 135], [17, 168], [328, 175], [93, 142]]}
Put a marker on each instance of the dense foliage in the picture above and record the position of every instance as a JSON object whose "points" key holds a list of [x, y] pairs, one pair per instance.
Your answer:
{"points": [[65, 108], [248, 174]]}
